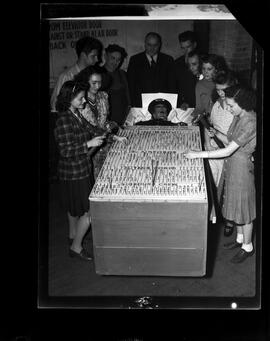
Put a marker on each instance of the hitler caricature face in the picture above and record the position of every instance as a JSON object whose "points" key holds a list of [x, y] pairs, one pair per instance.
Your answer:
{"points": [[160, 112]]}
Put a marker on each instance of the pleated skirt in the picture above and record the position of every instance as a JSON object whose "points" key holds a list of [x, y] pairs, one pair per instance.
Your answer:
{"points": [[75, 195]]}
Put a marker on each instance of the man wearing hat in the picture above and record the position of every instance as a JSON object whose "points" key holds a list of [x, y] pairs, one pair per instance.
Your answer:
{"points": [[159, 109]]}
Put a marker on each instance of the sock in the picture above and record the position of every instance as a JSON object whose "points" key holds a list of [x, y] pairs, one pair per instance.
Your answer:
{"points": [[240, 238], [247, 247]]}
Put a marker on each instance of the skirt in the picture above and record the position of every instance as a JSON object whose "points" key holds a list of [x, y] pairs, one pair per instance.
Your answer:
{"points": [[75, 195], [236, 189]]}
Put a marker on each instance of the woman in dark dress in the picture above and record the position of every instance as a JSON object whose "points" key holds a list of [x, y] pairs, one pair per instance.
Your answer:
{"points": [[74, 137], [236, 187]]}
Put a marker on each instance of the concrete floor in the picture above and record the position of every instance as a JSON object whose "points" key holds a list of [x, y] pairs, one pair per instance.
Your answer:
{"points": [[73, 277]]}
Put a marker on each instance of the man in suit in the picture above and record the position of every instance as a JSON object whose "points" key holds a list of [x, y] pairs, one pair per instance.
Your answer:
{"points": [[150, 71], [188, 43]]}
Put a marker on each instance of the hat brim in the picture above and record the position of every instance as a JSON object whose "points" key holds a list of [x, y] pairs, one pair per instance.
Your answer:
{"points": [[157, 101]]}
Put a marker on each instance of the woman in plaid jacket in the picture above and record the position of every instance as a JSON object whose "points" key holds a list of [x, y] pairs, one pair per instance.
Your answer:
{"points": [[96, 111], [75, 139]]}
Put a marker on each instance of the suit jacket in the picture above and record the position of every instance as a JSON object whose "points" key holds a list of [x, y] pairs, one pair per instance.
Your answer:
{"points": [[185, 83], [142, 78], [154, 122]]}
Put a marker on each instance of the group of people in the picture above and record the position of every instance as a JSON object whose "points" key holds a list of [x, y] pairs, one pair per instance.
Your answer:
{"points": [[92, 102]]}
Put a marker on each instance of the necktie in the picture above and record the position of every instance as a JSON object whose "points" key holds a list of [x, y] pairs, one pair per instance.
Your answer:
{"points": [[153, 63]]}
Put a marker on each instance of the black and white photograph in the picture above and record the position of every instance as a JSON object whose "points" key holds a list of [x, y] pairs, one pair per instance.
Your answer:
{"points": [[154, 159], [150, 162]]}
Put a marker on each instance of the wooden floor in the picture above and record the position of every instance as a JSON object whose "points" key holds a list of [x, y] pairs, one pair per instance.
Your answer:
{"points": [[73, 277]]}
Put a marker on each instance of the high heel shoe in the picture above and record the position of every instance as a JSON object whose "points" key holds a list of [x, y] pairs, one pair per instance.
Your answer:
{"points": [[82, 255], [228, 230]]}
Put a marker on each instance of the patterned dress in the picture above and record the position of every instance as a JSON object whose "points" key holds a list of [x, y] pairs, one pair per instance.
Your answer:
{"points": [[221, 119], [236, 187], [97, 114]]}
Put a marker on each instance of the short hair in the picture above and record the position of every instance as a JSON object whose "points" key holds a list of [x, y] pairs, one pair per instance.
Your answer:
{"points": [[84, 75], [154, 34], [196, 53], [68, 92], [187, 35], [88, 44], [244, 96]]}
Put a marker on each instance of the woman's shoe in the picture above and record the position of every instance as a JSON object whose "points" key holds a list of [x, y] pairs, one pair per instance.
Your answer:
{"points": [[241, 256], [82, 255], [231, 245], [228, 230]]}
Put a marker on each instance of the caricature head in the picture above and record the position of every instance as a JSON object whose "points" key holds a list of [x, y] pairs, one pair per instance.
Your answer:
{"points": [[160, 109]]}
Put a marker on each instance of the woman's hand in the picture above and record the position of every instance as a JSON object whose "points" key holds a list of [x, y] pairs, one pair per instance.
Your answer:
{"points": [[192, 155], [121, 139], [96, 141], [211, 132]]}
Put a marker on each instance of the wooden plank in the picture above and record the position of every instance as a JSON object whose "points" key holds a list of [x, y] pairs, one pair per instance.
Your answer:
{"points": [[148, 210], [146, 233], [150, 262]]}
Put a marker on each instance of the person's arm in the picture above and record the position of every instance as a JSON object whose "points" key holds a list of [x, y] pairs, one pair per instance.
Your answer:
{"points": [[68, 143], [60, 81], [214, 154], [221, 136], [207, 139]]}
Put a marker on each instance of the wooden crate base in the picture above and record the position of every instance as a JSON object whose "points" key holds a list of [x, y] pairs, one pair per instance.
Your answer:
{"points": [[149, 239], [149, 261]]}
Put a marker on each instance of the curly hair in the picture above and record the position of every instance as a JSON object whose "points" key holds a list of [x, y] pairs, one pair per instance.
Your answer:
{"points": [[224, 77], [116, 48], [84, 75], [217, 61], [245, 97], [68, 92]]}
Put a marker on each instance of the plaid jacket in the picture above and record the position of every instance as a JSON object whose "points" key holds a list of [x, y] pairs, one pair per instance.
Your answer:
{"points": [[71, 136]]}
